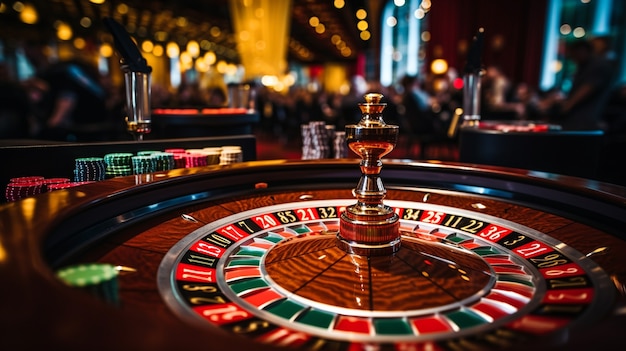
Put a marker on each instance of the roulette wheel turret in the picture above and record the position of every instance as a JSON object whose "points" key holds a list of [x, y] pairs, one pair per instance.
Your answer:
{"points": [[369, 227]]}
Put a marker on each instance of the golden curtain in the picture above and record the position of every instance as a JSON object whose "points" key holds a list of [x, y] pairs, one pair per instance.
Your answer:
{"points": [[262, 34]]}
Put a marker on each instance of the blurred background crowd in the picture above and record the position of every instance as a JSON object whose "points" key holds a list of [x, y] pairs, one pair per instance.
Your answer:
{"points": [[72, 95]]}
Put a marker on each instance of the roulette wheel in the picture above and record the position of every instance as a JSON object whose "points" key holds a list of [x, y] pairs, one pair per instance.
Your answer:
{"points": [[290, 254]]}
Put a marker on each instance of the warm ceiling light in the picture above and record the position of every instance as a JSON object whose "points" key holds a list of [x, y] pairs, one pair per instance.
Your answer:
{"points": [[231, 69], [201, 65], [290, 79], [362, 25], [365, 35], [269, 80], [64, 31], [172, 50], [210, 58], [221, 67], [339, 4], [193, 48], [439, 66], [85, 22], [122, 9], [215, 31], [186, 60], [79, 43], [320, 28], [314, 21], [147, 46], [29, 14], [361, 14], [157, 50], [97, 2], [106, 50]]}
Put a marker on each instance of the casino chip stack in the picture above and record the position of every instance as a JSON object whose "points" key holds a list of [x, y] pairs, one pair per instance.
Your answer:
{"points": [[213, 155], [21, 187], [164, 161], [89, 169], [319, 140], [143, 164], [179, 160], [118, 164], [231, 154], [178, 155], [195, 158], [316, 138]]}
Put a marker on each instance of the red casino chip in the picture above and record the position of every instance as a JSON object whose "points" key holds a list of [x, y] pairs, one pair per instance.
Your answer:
{"points": [[17, 191], [195, 160]]}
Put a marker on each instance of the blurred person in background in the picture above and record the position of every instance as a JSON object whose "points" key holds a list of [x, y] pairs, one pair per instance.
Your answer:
{"points": [[72, 106], [415, 113], [496, 91], [584, 105]]}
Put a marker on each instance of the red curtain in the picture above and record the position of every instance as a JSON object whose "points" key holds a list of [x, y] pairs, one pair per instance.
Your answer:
{"points": [[514, 34]]}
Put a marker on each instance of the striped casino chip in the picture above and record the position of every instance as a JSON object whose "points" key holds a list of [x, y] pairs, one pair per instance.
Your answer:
{"points": [[317, 138], [231, 154], [164, 161], [143, 164], [118, 164], [89, 169], [179, 160], [18, 190], [197, 159]]}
